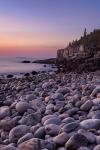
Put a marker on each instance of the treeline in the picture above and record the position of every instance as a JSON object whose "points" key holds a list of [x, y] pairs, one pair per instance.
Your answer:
{"points": [[91, 40]]}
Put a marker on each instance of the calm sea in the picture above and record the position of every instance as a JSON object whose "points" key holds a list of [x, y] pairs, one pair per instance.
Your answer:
{"points": [[14, 65]]}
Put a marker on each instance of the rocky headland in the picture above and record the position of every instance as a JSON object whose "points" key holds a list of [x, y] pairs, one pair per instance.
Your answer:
{"points": [[81, 55], [50, 112]]}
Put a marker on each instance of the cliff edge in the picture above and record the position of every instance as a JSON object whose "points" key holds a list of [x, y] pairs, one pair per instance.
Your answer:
{"points": [[82, 54]]}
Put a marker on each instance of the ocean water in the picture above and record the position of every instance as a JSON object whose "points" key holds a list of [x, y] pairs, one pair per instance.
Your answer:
{"points": [[13, 65]]}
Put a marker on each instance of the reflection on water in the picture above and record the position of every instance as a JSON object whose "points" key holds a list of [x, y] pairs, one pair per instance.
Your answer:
{"points": [[13, 65]]}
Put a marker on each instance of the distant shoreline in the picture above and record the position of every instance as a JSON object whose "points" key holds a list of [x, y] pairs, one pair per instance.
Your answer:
{"points": [[41, 61]]}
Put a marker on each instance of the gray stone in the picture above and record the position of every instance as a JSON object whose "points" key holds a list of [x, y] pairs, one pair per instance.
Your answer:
{"points": [[9, 147], [76, 141], [52, 129], [96, 101], [17, 132], [63, 90], [83, 148], [89, 135], [57, 96], [87, 105], [31, 119], [32, 144], [95, 91], [48, 144], [97, 147], [98, 139], [68, 120], [48, 117], [61, 148], [24, 138], [7, 124], [4, 112], [90, 124], [61, 139], [40, 133], [56, 121], [70, 127], [22, 107]]}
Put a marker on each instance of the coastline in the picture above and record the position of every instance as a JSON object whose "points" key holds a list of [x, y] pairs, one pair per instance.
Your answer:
{"points": [[22, 66]]}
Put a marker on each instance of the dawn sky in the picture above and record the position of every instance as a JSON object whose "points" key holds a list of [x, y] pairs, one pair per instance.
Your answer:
{"points": [[40, 27]]}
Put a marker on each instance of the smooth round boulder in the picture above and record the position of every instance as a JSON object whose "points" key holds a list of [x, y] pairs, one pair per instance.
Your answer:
{"points": [[97, 147], [52, 129], [63, 90], [96, 101], [40, 133], [61, 148], [70, 127], [7, 124], [89, 135], [31, 119], [76, 141], [98, 139], [68, 120], [87, 105], [95, 91], [8, 147], [32, 144], [61, 139], [17, 132], [48, 117], [22, 107], [83, 148], [24, 138], [56, 121], [57, 96], [90, 124], [4, 112]]}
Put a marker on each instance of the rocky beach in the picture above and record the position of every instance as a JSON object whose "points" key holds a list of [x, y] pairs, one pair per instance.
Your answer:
{"points": [[50, 112]]}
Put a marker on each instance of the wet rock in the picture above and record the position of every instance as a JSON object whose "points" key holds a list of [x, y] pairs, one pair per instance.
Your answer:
{"points": [[17, 132], [34, 73], [10, 76], [27, 74]]}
